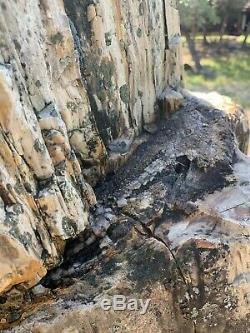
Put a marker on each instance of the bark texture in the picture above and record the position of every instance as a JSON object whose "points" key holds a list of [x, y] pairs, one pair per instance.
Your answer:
{"points": [[171, 226], [82, 85], [78, 81]]}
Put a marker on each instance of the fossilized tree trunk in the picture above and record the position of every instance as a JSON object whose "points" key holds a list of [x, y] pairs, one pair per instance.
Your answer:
{"points": [[74, 77], [171, 226]]}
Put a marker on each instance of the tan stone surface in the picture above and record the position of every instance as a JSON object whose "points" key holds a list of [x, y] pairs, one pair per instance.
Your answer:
{"points": [[73, 79], [176, 232], [17, 265]]}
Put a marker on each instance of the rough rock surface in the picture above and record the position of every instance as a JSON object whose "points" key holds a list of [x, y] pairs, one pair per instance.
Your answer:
{"points": [[78, 81], [172, 226]]}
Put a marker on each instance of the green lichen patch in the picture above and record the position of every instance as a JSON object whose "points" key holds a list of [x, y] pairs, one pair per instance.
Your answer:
{"points": [[38, 84], [139, 32], [72, 106], [18, 209], [3, 6], [100, 77], [124, 93], [107, 69], [24, 238], [11, 220], [69, 226], [108, 38], [17, 45], [141, 9], [19, 188], [56, 38], [39, 147], [140, 93]]}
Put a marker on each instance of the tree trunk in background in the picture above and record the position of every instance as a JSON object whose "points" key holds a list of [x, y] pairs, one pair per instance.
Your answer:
{"points": [[205, 40], [193, 50], [244, 44], [223, 28]]}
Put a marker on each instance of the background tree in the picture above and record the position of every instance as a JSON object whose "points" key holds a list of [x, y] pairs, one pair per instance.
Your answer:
{"points": [[230, 14], [246, 22], [195, 16]]}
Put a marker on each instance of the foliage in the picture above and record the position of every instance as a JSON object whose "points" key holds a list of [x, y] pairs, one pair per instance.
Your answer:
{"points": [[206, 15], [229, 7], [195, 14]]}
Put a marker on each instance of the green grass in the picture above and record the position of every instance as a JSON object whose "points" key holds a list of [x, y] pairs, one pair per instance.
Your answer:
{"points": [[226, 70], [227, 39]]}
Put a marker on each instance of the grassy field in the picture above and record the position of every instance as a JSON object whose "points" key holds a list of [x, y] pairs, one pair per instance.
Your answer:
{"points": [[226, 69]]}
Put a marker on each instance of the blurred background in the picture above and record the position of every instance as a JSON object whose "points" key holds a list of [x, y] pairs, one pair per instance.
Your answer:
{"points": [[217, 47]]}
